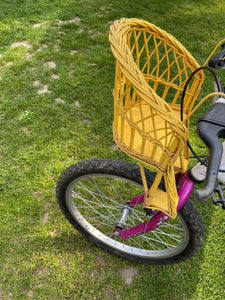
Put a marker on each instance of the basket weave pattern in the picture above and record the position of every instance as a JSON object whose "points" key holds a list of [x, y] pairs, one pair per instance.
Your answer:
{"points": [[151, 70]]}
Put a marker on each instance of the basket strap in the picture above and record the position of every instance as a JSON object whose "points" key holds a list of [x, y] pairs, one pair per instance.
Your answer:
{"points": [[144, 178], [165, 201], [154, 186]]}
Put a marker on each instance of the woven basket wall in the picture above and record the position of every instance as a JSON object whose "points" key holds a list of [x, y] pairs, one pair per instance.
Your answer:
{"points": [[151, 70]]}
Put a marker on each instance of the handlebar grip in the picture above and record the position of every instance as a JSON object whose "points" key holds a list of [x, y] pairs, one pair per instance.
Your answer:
{"points": [[210, 128]]}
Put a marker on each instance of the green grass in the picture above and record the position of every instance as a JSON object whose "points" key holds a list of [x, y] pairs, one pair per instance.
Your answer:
{"points": [[41, 255]]}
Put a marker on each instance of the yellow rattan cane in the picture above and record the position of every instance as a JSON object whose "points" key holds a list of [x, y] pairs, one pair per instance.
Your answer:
{"points": [[151, 70]]}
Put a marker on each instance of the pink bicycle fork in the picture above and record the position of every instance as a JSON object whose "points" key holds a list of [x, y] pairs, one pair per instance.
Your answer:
{"points": [[186, 186]]}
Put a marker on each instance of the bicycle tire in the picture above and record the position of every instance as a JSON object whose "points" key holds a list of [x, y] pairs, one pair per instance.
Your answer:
{"points": [[91, 193]]}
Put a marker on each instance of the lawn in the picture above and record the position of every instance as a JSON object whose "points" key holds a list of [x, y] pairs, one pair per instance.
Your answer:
{"points": [[56, 108]]}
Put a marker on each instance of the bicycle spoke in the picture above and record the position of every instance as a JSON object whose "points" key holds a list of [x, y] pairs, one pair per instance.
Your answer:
{"points": [[94, 195], [100, 201], [172, 236], [95, 201]]}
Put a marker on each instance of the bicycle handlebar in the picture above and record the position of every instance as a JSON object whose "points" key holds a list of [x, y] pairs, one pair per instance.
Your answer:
{"points": [[218, 61], [210, 128]]}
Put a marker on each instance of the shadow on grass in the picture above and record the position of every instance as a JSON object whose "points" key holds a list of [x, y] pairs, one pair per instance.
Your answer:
{"points": [[155, 282]]}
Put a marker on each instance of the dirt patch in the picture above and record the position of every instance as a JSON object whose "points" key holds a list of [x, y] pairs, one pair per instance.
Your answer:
{"points": [[59, 100], [54, 76], [115, 148], [30, 294], [72, 52], [128, 274], [100, 260], [42, 271], [99, 15], [37, 25], [56, 48], [4, 296], [50, 65], [80, 30], [36, 83], [77, 103], [44, 90], [107, 9], [26, 130], [42, 47], [25, 44], [8, 64], [44, 24], [46, 218], [75, 20], [53, 234]]}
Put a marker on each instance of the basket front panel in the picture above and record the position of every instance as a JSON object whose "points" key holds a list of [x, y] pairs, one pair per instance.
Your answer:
{"points": [[141, 131]]}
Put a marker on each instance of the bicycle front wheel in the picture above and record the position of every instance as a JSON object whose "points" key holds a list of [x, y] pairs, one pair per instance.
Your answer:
{"points": [[92, 194]]}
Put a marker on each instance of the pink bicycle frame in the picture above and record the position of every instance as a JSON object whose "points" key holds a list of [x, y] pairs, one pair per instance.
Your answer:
{"points": [[186, 186]]}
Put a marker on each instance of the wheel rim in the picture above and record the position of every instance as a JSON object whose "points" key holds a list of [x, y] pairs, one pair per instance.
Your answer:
{"points": [[95, 202]]}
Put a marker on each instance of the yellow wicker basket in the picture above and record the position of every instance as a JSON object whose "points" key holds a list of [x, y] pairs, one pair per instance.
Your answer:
{"points": [[151, 70]]}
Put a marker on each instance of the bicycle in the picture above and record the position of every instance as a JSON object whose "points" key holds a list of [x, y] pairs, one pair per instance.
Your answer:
{"points": [[103, 198]]}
